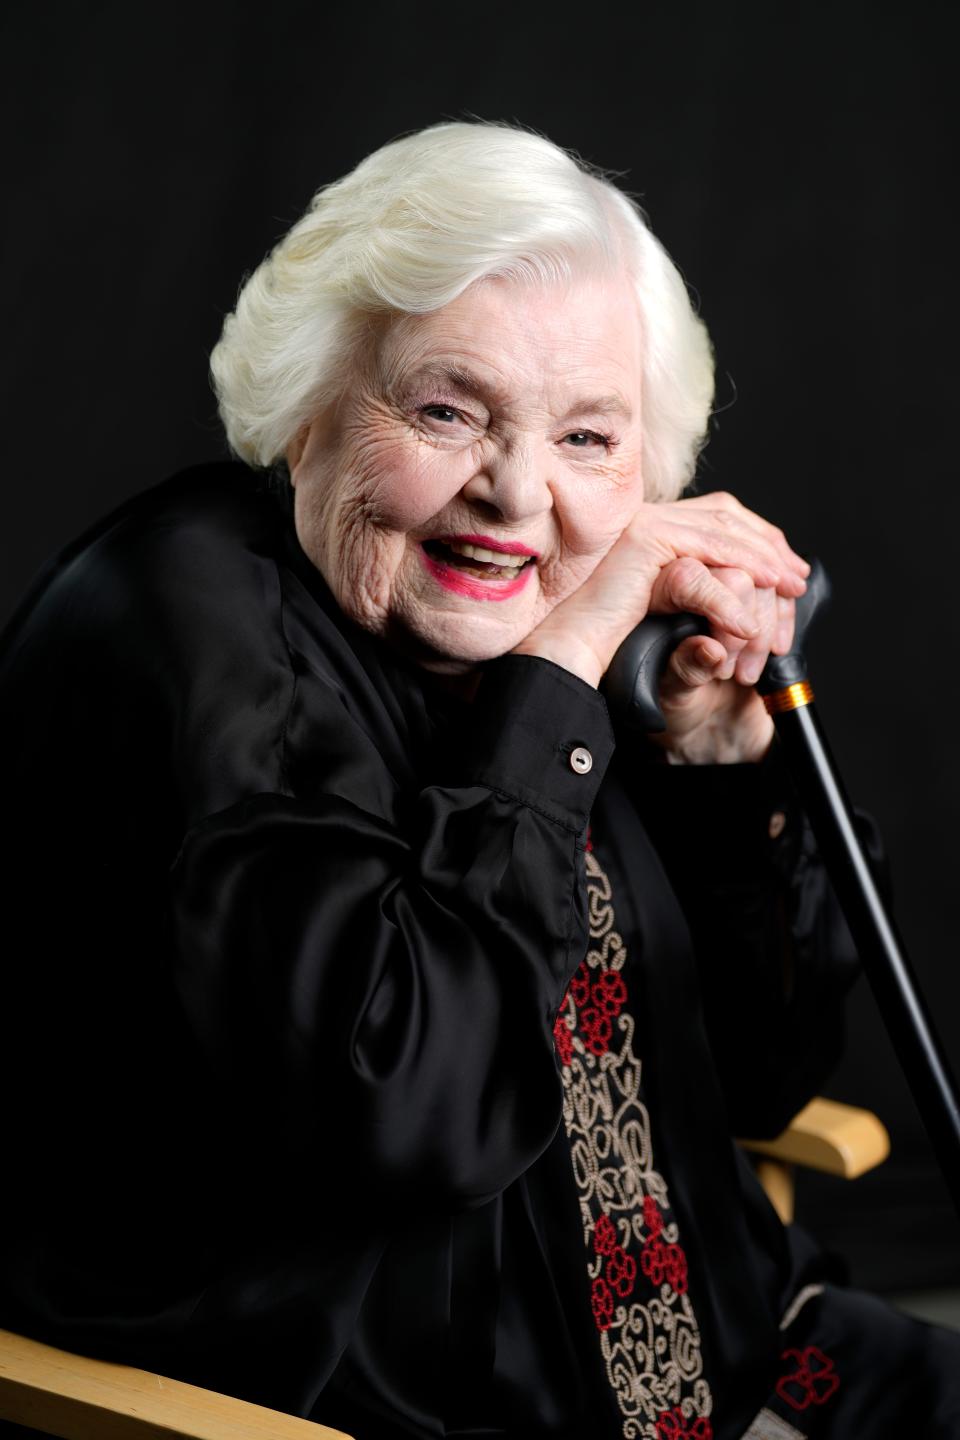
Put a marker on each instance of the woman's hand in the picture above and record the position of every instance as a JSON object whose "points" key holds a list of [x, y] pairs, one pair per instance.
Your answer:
{"points": [[713, 713], [714, 557]]}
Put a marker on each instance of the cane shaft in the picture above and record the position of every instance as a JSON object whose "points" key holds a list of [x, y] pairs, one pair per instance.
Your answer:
{"points": [[631, 687], [884, 961]]}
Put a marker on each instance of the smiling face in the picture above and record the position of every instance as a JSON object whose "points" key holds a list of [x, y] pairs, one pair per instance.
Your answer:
{"points": [[484, 459]]}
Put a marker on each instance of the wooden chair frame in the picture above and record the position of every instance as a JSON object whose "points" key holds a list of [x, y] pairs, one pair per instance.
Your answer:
{"points": [[79, 1398]]}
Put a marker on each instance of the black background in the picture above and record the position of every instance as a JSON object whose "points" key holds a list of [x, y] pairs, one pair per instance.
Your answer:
{"points": [[799, 163]]}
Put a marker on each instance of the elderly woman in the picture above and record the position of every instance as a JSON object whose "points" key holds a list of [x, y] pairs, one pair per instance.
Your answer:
{"points": [[392, 1025]]}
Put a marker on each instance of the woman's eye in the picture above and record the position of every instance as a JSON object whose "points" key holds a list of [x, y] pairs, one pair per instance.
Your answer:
{"points": [[446, 413], [580, 439]]}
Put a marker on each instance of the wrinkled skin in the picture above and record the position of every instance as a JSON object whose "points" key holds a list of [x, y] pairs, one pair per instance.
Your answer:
{"points": [[537, 442]]}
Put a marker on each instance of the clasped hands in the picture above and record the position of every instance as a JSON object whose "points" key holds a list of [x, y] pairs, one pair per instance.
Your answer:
{"points": [[712, 556]]}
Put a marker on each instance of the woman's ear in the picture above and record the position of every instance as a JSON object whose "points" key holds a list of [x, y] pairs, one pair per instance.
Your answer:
{"points": [[294, 451]]}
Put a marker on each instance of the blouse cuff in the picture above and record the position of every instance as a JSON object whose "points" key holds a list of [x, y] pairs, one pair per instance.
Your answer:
{"points": [[732, 818], [542, 736]]}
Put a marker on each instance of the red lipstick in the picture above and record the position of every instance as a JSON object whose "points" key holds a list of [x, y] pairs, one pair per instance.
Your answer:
{"points": [[454, 579], [505, 547]]}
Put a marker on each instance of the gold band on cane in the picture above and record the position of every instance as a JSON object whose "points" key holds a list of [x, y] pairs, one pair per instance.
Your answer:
{"points": [[792, 698]]}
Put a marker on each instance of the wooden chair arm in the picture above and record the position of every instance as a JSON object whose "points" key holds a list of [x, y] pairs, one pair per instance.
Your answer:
{"points": [[79, 1398], [826, 1135]]}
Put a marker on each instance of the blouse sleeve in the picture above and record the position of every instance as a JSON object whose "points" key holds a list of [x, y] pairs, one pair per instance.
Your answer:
{"points": [[774, 953], [388, 990]]}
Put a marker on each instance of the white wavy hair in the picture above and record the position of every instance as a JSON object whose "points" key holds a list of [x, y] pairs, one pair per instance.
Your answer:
{"points": [[406, 232]]}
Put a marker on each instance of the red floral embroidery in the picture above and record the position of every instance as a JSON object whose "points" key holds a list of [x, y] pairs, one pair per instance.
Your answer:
{"points": [[601, 1300], [677, 1269], [604, 1236], [580, 985], [562, 1036], [623, 1304], [609, 993], [660, 1261], [621, 1271], [597, 1029], [589, 844], [813, 1380], [673, 1426]]}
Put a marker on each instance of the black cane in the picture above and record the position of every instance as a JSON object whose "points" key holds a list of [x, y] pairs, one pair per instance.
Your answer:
{"points": [[631, 688]]}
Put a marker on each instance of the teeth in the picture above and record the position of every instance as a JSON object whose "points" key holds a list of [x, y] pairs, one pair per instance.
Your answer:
{"points": [[491, 557]]}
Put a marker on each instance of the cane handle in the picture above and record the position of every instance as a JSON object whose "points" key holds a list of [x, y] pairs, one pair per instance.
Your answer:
{"points": [[631, 685]]}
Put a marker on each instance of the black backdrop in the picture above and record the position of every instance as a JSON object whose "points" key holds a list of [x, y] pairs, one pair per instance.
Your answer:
{"points": [[798, 162]]}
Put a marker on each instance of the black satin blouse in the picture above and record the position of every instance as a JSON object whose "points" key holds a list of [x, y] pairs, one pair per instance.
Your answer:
{"points": [[293, 929]]}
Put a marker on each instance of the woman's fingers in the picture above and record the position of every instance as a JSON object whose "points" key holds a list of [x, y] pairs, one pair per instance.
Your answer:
{"points": [[729, 652], [729, 546], [736, 512], [755, 653], [786, 618], [774, 615], [694, 663], [738, 537], [689, 585], [741, 585]]}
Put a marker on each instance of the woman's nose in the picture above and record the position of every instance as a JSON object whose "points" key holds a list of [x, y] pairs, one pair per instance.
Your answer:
{"points": [[511, 482]]}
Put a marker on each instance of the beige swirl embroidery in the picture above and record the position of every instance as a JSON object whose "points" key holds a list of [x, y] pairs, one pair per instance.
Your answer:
{"points": [[648, 1331]]}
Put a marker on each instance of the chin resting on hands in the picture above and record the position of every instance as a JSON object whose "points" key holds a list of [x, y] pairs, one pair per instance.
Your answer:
{"points": [[712, 556]]}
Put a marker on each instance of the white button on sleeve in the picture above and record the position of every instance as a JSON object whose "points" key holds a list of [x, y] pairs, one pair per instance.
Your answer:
{"points": [[581, 760]]}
